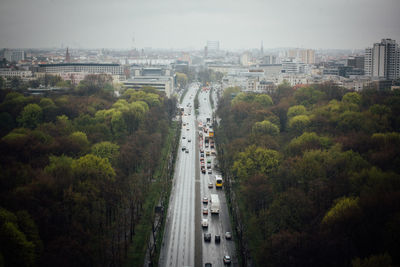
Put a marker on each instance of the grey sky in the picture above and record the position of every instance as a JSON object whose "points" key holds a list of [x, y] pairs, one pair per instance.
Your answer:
{"points": [[190, 23]]}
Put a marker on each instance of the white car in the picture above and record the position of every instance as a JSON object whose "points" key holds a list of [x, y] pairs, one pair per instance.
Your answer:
{"points": [[204, 223]]}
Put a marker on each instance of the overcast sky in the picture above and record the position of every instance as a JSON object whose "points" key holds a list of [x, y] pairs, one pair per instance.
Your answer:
{"points": [[190, 23]]}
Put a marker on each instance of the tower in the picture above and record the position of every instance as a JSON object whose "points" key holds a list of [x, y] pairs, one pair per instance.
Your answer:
{"points": [[67, 57], [262, 48]]}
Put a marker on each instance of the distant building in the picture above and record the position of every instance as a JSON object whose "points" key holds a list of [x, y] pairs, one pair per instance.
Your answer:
{"points": [[212, 46], [14, 55], [268, 59], [163, 84], [382, 60], [113, 69], [291, 66], [9, 74], [306, 56], [245, 59], [356, 62], [67, 57]]}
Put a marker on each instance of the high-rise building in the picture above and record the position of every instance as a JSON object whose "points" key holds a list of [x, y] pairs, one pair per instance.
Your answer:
{"points": [[14, 55], [213, 46], [262, 49], [356, 62], [306, 56], [382, 60], [368, 61]]}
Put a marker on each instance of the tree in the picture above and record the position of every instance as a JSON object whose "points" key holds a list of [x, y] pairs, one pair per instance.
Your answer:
{"points": [[106, 150], [340, 212], [91, 167], [380, 260], [255, 160], [16, 83], [352, 98], [2, 83], [308, 96], [80, 139], [181, 79], [308, 141], [265, 127], [299, 123], [30, 116], [296, 110]]}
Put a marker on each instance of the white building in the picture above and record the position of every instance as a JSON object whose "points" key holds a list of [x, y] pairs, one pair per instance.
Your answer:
{"points": [[383, 60], [14, 55], [113, 69], [161, 83]]}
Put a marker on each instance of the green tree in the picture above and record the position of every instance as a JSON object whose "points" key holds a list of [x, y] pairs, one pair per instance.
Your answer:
{"points": [[181, 79], [308, 96], [80, 139], [91, 167], [106, 150], [380, 260], [30, 116], [263, 99], [296, 110], [340, 212], [255, 160], [265, 127], [352, 98], [299, 123]]}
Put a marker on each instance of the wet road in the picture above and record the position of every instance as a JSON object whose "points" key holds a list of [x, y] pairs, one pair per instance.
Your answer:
{"points": [[183, 237]]}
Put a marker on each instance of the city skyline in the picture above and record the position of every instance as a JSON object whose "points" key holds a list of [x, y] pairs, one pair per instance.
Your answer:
{"points": [[178, 24]]}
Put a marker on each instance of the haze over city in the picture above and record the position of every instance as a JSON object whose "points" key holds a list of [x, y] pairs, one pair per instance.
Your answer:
{"points": [[188, 24]]}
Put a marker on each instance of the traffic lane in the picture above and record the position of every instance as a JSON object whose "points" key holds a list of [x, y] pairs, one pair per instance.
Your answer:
{"points": [[179, 237], [179, 256], [219, 224]]}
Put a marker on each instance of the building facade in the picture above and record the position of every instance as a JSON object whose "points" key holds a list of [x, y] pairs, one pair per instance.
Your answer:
{"points": [[113, 69], [382, 60]]}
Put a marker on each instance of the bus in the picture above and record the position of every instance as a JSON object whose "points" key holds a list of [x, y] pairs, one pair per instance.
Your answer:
{"points": [[218, 181]]}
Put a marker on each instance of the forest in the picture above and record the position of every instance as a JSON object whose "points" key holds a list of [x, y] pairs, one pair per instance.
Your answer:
{"points": [[312, 174], [76, 169]]}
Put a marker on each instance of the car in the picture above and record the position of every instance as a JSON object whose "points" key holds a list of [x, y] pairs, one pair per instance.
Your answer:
{"points": [[227, 259], [202, 156], [204, 223], [210, 185], [183, 137], [205, 200], [207, 264], [183, 148], [205, 211], [189, 140], [187, 151], [187, 129], [207, 237], [217, 239], [228, 235], [209, 170]]}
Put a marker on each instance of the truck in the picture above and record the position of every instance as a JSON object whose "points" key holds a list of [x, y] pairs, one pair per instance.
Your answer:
{"points": [[215, 205]]}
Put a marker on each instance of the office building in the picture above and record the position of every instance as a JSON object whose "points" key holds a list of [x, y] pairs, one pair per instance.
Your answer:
{"points": [[382, 60], [113, 69], [212, 46], [14, 55], [356, 62]]}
